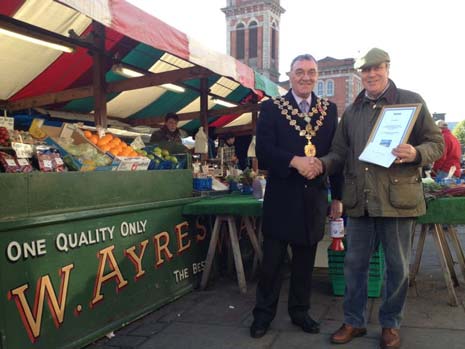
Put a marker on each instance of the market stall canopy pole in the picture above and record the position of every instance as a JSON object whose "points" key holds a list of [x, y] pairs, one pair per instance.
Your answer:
{"points": [[237, 130], [204, 104], [31, 31], [99, 77], [113, 87], [86, 117], [155, 120], [254, 121]]}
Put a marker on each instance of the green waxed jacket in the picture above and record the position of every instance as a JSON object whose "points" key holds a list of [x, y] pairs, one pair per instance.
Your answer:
{"points": [[382, 192]]}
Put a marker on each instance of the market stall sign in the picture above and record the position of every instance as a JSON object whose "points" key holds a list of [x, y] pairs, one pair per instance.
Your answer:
{"points": [[68, 283]]}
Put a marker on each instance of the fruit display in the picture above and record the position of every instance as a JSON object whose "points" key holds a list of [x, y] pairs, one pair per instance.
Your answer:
{"points": [[161, 158], [86, 154], [4, 137], [21, 136], [78, 150], [49, 159], [11, 164], [110, 143], [35, 129]]}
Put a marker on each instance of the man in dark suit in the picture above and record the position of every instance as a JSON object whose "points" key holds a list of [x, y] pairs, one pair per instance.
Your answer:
{"points": [[289, 135]]}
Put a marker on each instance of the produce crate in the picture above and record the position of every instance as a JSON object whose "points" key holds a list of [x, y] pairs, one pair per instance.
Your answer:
{"points": [[73, 162], [159, 163], [375, 272], [374, 286], [201, 184]]}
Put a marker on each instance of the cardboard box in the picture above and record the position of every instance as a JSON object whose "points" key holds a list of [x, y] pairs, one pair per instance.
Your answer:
{"points": [[74, 162], [135, 163]]}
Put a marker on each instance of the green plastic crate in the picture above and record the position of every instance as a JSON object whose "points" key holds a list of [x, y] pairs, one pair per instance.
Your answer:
{"points": [[374, 286], [375, 272]]}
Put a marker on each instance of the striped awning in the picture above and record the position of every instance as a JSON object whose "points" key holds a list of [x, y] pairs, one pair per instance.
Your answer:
{"points": [[132, 37]]}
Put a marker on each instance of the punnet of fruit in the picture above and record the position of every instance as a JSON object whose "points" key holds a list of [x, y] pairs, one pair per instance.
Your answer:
{"points": [[4, 137], [110, 143], [161, 159]]}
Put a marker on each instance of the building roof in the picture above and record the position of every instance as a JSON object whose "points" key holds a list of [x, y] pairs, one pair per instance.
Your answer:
{"points": [[329, 62]]}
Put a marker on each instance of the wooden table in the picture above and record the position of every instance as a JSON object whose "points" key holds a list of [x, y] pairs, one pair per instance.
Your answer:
{"points": [[443, 212], [226, 209]]}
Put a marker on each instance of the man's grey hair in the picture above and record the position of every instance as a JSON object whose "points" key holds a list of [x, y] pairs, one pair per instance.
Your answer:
{"points": [[304, 57]]}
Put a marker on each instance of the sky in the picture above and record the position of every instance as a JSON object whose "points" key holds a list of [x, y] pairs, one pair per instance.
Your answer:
{"points": [[424, 38]]}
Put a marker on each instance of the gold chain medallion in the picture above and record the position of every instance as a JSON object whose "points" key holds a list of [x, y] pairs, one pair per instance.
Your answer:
{"points": [[288, 111]]}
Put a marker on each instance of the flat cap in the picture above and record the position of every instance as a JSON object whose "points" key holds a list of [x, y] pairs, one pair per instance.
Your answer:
{"points": [[374, 56], [441, 124]]}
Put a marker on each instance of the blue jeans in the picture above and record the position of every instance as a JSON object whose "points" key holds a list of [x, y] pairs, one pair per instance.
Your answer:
{"points": [[363, 236]]}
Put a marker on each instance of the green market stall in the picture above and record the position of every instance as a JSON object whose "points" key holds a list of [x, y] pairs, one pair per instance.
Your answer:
{"points": [[444, 210], [86, 253], [441, 216], [226, 209]]}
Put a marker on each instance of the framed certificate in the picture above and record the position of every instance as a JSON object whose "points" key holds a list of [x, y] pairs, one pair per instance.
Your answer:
{"points": [[393, 127]]}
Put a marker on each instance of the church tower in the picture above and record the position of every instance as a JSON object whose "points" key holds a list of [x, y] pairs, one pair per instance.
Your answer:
{"points": [[253, 34]]}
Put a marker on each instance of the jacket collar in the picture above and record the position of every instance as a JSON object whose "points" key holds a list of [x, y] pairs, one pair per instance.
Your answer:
{"points": [[290, 97], [389, 95]]}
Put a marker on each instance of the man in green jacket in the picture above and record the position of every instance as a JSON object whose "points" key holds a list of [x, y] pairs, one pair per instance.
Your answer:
{"points": [[381, 203]]}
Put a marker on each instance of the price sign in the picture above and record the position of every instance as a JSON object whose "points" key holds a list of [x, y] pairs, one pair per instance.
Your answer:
{"points": [[140, 163], [7, 122], [138, 143], [22, 150]]}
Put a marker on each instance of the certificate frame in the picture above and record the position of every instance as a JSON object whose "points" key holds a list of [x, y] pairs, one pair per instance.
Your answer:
{"points": [[393, 126], [415, 109]]}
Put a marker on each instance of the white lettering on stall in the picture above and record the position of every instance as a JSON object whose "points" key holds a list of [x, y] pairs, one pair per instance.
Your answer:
{"points": [[132, 228], [15, 250], [65, 242], [181, 274]]}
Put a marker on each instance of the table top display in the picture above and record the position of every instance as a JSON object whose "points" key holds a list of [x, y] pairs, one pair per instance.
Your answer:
{"points": [[446, 210], [234, 204]]}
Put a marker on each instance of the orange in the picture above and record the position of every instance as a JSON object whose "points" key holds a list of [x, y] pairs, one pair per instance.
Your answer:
{"points": [[108, 137], [114, 151], [104, 140], [113, 143], [105, 147], [94, 139], [125, 152], [88, 134]]}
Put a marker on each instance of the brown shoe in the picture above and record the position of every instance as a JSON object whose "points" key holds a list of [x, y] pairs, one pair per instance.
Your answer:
{"points": [[390, 338], [346, 333]]}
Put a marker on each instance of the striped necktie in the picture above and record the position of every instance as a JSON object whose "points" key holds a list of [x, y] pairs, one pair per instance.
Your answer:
{"points": [[304, 107]]}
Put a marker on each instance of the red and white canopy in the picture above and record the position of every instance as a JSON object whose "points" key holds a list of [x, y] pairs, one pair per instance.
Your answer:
{"points": [[135, 38]]}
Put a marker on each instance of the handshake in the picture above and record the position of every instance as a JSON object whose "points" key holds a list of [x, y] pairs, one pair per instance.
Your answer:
{"points": [[309, 167]]}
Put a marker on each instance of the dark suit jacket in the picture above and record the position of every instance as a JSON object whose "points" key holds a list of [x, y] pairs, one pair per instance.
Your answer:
{"points": [[294, 208]]}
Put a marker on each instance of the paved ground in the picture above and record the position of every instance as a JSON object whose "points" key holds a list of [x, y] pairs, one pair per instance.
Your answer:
{"points": [[220, 317]]}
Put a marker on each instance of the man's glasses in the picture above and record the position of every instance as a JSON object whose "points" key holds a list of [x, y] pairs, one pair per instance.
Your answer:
{"points": [[300, 73]]}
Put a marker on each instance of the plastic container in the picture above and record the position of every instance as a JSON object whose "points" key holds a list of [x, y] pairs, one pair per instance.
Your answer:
{"points": [[375, 272], [202, 184]]}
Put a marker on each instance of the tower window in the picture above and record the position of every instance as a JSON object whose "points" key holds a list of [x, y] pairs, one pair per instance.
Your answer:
{"points": [[253, 40], [273, 43], [240, 41]]}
